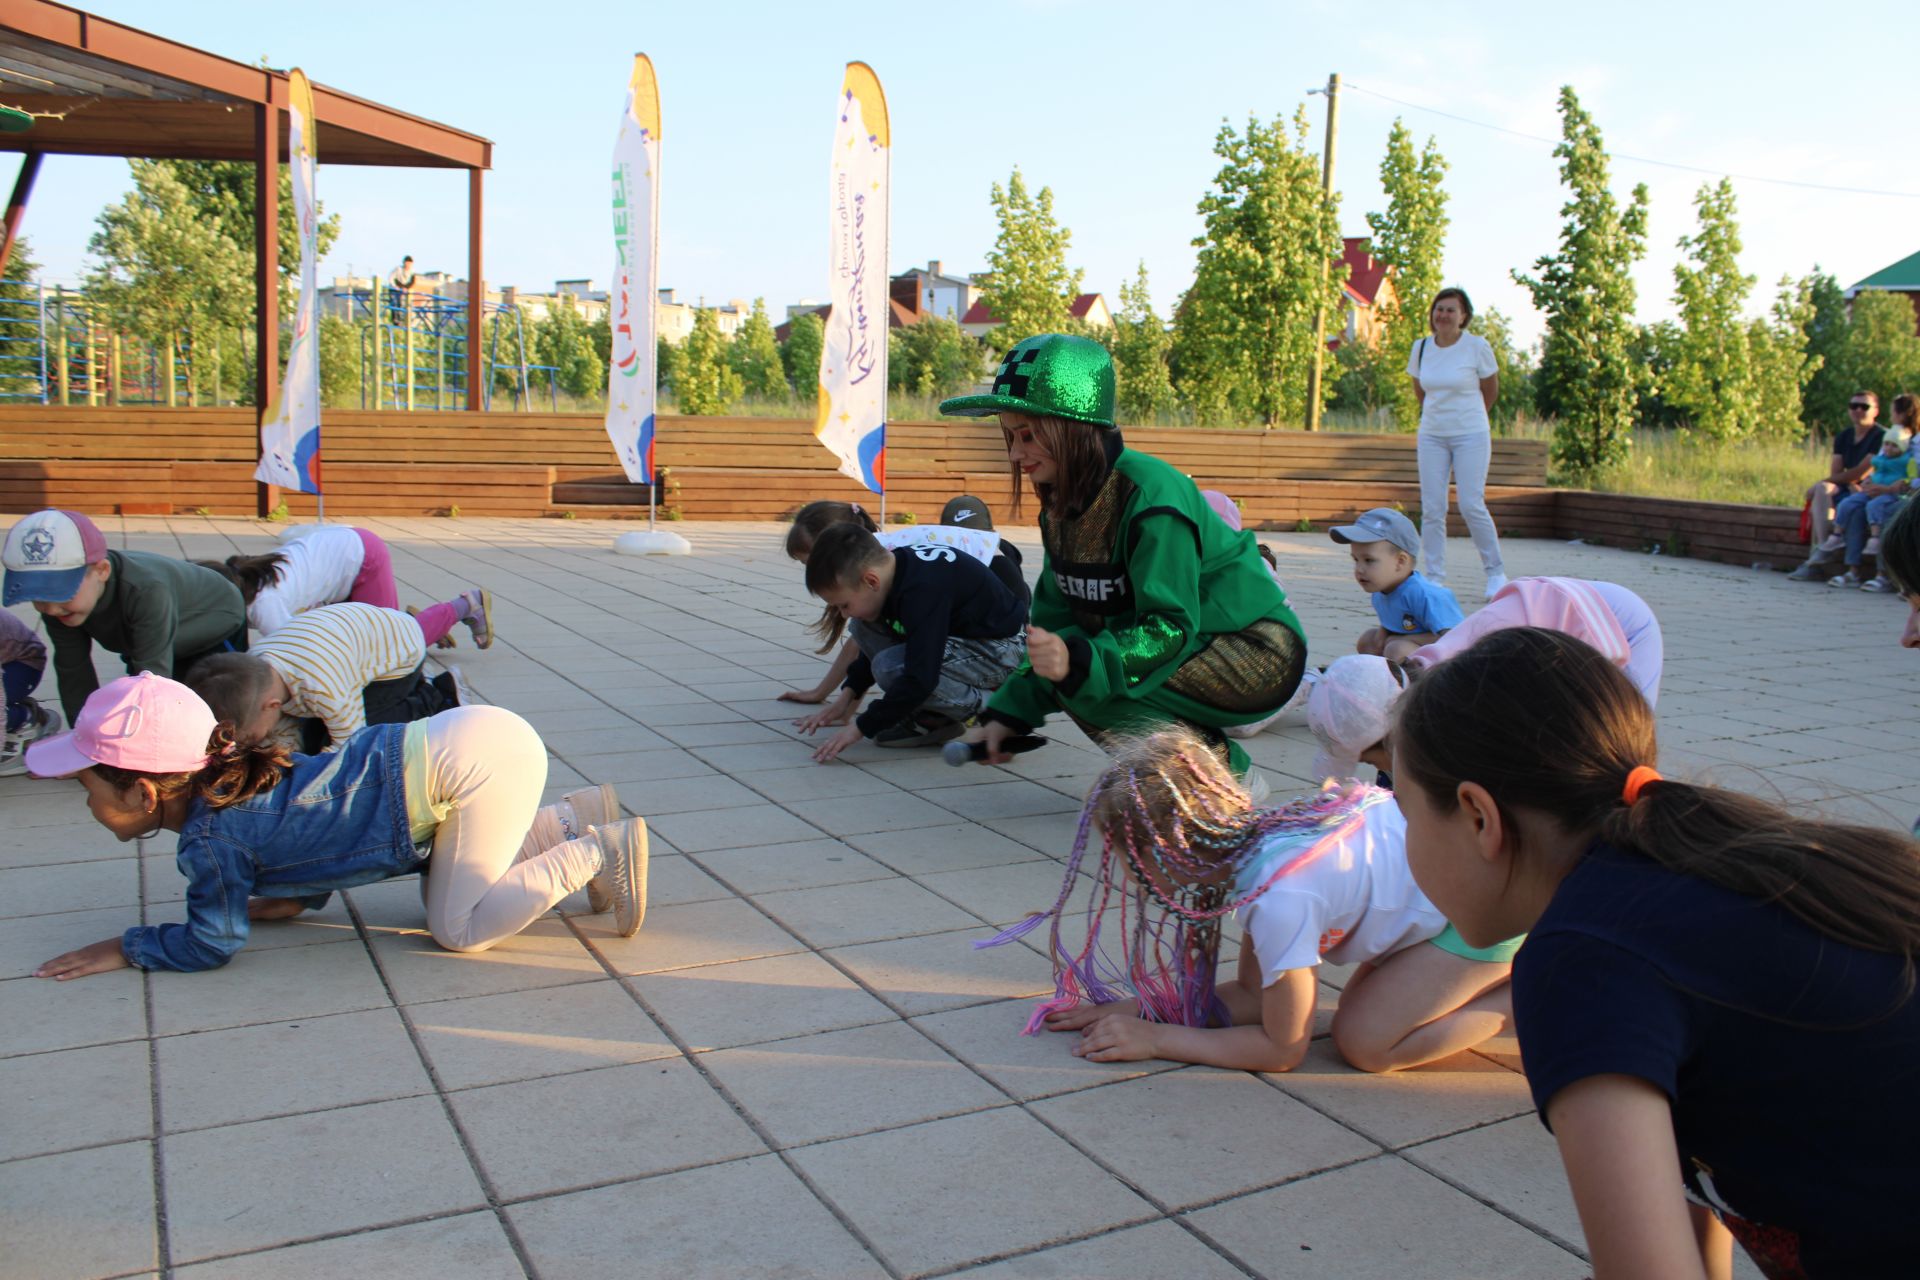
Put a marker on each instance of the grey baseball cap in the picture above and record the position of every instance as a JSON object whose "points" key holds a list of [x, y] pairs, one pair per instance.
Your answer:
{"points": [[967, 512], [1382, 524]]}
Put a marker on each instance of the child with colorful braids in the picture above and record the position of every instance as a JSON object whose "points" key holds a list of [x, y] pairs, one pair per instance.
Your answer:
{"points": [[1716, 1001], [265, 835], [1323, 878]]}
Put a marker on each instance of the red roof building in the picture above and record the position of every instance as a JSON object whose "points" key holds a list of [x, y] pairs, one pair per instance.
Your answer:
{"points": [[1090, 307]]}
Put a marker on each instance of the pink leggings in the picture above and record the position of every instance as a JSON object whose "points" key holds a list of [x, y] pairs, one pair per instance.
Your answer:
{"points": [[375, 586]]}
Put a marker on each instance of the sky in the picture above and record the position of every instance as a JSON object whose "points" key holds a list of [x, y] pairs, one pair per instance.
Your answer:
{"points": [[1113, 104]]}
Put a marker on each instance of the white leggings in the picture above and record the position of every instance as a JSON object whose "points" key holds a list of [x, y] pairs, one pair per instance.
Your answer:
{"points": [[488, 766], [1468, 458]]}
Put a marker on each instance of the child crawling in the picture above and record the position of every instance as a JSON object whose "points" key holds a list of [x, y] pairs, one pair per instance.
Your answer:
{"points": [[1323, 878]]}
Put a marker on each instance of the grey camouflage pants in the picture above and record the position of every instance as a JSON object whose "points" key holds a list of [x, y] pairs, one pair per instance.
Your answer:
{"points": [[969, 672]]}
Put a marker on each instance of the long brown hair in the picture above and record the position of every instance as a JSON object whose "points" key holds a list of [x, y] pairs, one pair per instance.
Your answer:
{"points": [[254, 573], [1906, 411], [814, 519], [234, 772], [1079, 454], [1548, 726]]}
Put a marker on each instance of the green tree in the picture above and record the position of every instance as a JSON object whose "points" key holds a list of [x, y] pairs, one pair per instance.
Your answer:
{"points": [[666, 360], [754, 355], [1654, 348], [1511, 365], [800, 354], [339, 363], [1823, 404], [19, 343], [1587, 379], [224, 189], [167, 269], [1141, 345], [564, 341], [1027, 285], [601, 332], [1243, 336], [1410, 239], [1712, 379], [704, 383], [1883, 355], [932, 358], [1782, 366]]}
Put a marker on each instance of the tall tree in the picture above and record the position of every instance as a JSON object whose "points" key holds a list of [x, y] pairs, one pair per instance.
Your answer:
{"points": [[225, 189], [1712, 379], [563, 341], [704, 383], [755, 356], [1243, 335], [20, 343], [1027, 286], [933, 357], [1141, 345], [1883, 355], [800, 355], [1823, 404], [1587, 378], [167, 268], [1410, 239], [1782, 363]]}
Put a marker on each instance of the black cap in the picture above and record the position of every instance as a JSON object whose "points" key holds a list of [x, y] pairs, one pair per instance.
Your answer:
{"points": [[967, 512]]}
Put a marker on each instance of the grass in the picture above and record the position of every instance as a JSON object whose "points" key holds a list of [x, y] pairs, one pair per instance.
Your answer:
{"points": [[1668, 464]]}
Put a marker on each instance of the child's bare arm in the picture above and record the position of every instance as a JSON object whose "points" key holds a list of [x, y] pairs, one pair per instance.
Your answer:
{"points": [[1277, 1042], [1616, 1140], [829, 682]]}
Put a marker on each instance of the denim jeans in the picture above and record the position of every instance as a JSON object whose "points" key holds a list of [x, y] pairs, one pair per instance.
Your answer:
{"points": [[1856, 516], [21, 679]]}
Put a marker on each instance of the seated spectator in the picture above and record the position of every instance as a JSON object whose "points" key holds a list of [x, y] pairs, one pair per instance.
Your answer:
{"points": [[1860, 515], [1853, 450]]}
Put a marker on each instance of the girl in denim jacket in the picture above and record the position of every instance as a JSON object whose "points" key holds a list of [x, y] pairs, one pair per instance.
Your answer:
{"points": [[265, 835]]}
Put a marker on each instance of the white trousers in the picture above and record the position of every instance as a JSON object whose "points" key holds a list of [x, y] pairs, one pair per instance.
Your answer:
{"points": [[1466, 458], [488, 766]]}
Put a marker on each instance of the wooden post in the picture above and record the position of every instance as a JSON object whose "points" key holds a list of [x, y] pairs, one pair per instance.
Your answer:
{"points": [[216, 371], [171, 370], [476, 284], [266, 275], [17, 206], [113, 369]]}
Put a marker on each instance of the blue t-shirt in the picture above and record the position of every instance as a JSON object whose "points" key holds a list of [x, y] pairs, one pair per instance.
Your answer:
{"points": [[1417, 606], [1792, 1061]]}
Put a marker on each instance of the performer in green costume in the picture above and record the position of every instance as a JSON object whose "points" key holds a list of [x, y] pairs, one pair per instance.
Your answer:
{"points": [[1149, 609]]}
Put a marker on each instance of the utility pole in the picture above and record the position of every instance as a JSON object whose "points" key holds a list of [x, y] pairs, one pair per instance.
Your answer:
{"points": [[1315, 374]]}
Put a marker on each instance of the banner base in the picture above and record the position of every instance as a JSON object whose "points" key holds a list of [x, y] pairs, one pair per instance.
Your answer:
{"points": [[652, 543]]}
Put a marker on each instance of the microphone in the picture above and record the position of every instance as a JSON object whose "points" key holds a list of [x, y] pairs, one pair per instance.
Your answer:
{"points": [[959, 753]]}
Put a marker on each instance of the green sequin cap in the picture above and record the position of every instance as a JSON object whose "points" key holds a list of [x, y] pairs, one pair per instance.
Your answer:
{"points": [[1053, 375]]}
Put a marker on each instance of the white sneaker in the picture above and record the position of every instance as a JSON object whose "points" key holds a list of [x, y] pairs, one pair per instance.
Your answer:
{"points": [[570, 818], [1496, 582], [42, 722], [1835, 542]]}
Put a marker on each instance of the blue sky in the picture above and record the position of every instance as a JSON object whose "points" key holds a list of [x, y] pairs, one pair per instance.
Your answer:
{"points": [[1114, 105]]}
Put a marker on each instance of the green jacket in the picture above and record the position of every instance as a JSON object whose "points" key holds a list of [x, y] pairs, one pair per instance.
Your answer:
{"points": [[1136, 585], [153, 610]]}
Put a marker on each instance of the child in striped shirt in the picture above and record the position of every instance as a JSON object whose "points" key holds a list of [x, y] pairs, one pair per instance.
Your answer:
{"points": [[344, 665]]}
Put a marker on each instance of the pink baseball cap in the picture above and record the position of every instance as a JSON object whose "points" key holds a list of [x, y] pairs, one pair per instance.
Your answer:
{"points": [[1223, 507], [1349, 709], [47, 555], [146, 723]]}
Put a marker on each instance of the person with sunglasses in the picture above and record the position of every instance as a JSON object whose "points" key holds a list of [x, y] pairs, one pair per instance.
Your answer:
{"points": [[1853, 450]]}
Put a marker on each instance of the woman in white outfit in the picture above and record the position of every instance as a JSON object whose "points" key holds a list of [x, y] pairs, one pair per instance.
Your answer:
{"points": [[1456, 380]]}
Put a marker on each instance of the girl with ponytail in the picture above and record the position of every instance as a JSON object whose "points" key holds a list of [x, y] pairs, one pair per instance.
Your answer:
{"points": [[1715, 1003]]}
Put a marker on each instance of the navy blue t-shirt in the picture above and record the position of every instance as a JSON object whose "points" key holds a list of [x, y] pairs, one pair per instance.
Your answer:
{"points": [[1792, 1060]]}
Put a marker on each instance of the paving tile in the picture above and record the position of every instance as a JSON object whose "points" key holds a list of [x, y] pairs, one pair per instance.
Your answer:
{"points": [[1514, 1164], [812, 782], [26, 942], [268, 986], [1381, 1220], [734, 828], [1408, 1106], [656, 763], [657, 798], [868, 911], [81, 1214], [1152, 1252], [235, 1188], [77, 841], [517, 1035], [1041, 1191], [858, 815], [247, 1073], [70, 886], [754, 757], [40, 1014], [808, 864], [590, 1127], [1189, 1136], [952, 847], [1010, 798], [671, 881], [988, 1038], [943, 971], [748, 1001], [698, 933], [1003, 895], [544, 954], [472, 1246], [74, 1098], [840, 1083], [719, 728], [665, 1226], [1050, 833], [391, 906]]}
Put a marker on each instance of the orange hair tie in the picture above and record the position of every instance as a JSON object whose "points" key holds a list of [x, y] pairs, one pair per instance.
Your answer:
{"points": [[1637, 782]]}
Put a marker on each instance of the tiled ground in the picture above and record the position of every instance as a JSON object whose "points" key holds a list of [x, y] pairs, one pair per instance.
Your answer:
{"points": [[799, 1067]]}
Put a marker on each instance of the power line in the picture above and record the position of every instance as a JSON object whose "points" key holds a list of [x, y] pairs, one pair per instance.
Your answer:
{"points": [[1621, 155]]}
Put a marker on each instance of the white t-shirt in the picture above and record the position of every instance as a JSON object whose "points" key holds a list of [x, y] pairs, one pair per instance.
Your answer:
{"points": [[1451, 378], [320, 568], [982, 544], [1355, 902]]}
